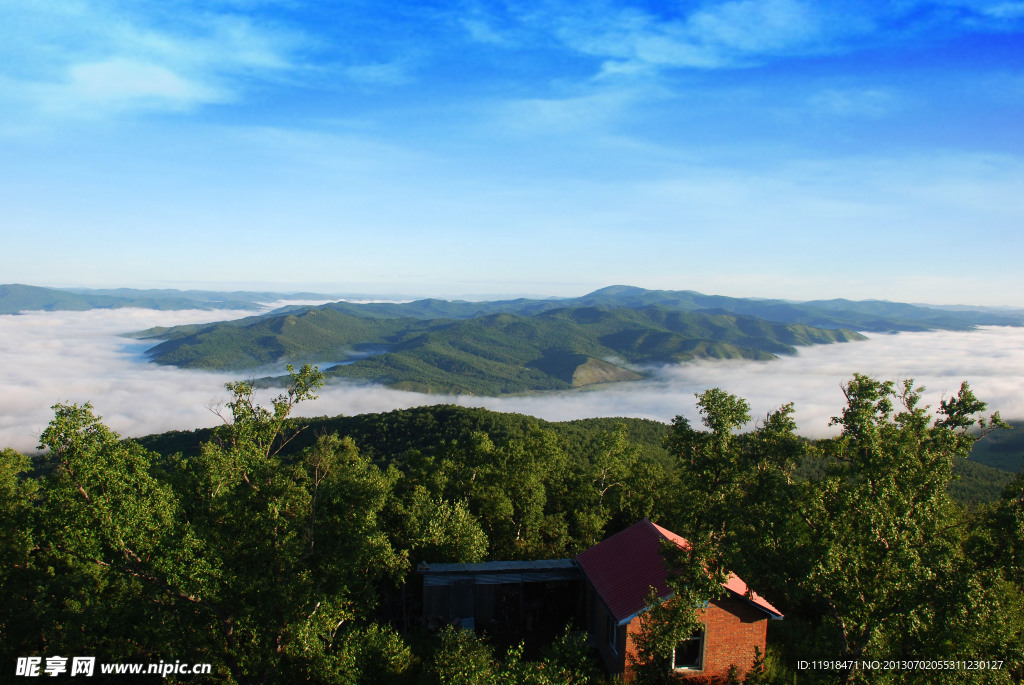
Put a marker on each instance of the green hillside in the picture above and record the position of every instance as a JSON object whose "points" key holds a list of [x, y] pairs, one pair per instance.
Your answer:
{"points": [[1002, 449], [395, 437], [494, 354], [534, 345], [870, 315]]}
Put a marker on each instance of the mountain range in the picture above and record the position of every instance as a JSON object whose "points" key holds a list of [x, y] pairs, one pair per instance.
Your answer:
{"points": [[527, 345], [16, 298], [501, 346]]}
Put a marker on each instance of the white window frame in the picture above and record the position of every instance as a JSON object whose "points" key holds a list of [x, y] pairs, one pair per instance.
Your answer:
{"points": [[699, 637], [612, 628]]}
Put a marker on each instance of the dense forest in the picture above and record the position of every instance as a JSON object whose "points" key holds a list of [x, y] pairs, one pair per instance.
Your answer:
{"points": [[495, 354], [281, 550], [534, 345]]}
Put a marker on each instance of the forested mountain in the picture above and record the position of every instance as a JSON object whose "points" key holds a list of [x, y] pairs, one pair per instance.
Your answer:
{"points": [[529, 345], [867, 315], [871, 315], [283, 550], [16, 298], [396, 436], [492, 354]]}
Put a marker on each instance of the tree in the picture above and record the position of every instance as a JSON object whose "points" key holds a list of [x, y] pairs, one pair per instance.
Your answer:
{"points": [[882, 528], [267, 568], [299, 542], [462, 658], [440, 531], [17, 541], [119, 570], [872, 551]]}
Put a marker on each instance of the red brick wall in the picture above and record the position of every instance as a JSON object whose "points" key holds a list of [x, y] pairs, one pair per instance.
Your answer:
{"points": [[732, 629]]}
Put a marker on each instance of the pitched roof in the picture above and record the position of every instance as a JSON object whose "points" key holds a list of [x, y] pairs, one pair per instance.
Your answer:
{"points": [[624, 567]]}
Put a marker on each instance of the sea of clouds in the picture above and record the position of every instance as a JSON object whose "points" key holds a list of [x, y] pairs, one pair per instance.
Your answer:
{"points": [[51, 357]]}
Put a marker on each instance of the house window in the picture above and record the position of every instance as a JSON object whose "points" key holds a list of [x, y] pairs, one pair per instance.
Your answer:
{"points": [[612, 633], [689, 653]]}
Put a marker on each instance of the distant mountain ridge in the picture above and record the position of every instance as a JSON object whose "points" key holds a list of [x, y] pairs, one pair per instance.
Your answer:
{"points": [[489, 348], [530, 345], [502, 347], [15, 298], [866, 315]]}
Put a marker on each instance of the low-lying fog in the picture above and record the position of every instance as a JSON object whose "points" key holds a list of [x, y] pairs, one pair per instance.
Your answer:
{"points": [[51, 357]]}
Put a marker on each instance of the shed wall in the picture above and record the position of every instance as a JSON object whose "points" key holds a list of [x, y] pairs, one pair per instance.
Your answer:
{"points": [[732, 629]]}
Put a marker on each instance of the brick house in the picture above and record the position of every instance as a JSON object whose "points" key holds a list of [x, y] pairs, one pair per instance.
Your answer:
{"points": [[619, 573]]}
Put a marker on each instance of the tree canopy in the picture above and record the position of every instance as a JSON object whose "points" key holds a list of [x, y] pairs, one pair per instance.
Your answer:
{"points": [[282, 551]]}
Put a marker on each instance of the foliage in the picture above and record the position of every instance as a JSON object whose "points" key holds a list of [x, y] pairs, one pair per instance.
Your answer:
{"points": [[662, 625], [868, 547], [462, 658], [443, 531], [279, 554], [568, 659], [491, 354]]}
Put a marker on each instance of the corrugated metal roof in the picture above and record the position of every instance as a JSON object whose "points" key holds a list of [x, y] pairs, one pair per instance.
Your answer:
{"points": [[499, 572], [495, 566], [627, 565]]}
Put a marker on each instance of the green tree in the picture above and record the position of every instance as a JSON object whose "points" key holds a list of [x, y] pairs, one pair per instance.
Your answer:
{"points": [[883, 528], [18, 575], [462, 658], [127, 569], [441, 531], [268, 568], [730, 500], [872, 552], [300, 542]]}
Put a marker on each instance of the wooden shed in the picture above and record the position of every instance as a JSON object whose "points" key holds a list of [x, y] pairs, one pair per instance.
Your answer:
{"points": [[508, 599]]}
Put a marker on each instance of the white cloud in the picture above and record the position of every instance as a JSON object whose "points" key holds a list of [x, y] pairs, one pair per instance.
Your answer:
{"points": [[869, 102], [98, 87], [482, 32], [728, 34], [755, 26], [993, 14], [383, 73], [990, 359], [89, 58], [47, 358], [1005, 10]]}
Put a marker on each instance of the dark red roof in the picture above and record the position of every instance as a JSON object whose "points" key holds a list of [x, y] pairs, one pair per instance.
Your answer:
{"points": [[627, 565]]}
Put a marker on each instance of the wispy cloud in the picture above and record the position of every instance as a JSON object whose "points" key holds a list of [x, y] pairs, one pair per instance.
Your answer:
{"points": [[1005, 10], [482, 30], [90, 58], [725, 35], [870, 103], [633, 39], [994, 13], [97, 88], [380, 73], [638, 38], [78, 356]]}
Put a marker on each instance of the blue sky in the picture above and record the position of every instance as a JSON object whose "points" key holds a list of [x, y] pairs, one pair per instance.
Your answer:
{"points": [[777, 148]]}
